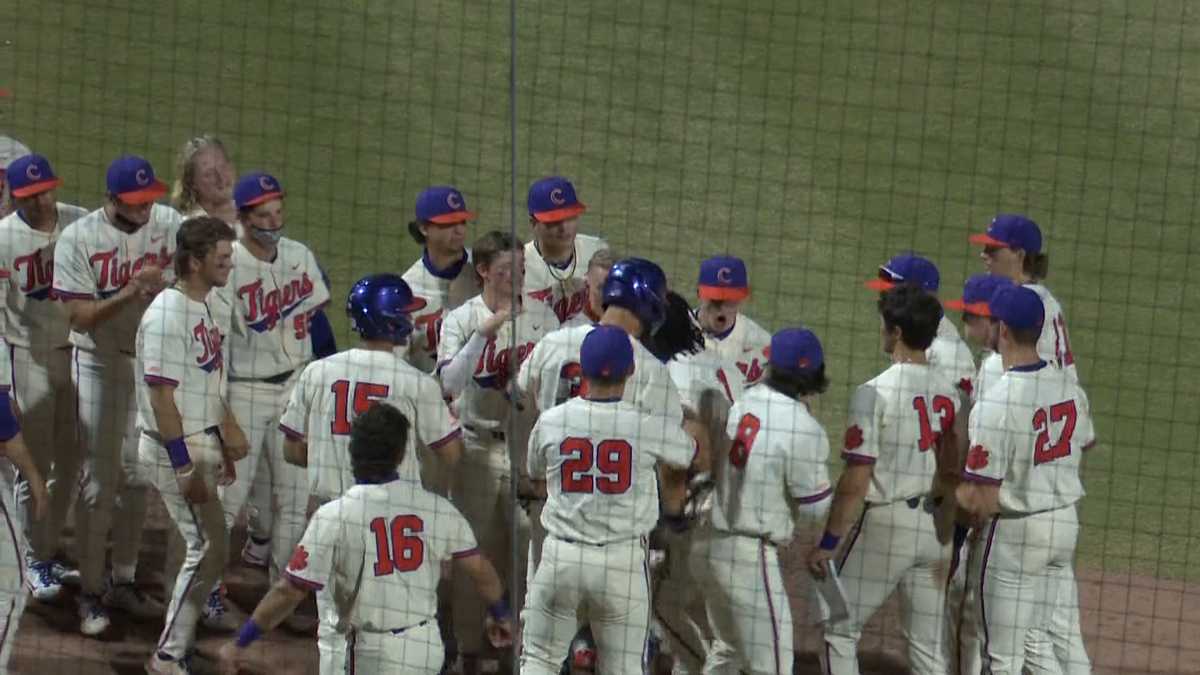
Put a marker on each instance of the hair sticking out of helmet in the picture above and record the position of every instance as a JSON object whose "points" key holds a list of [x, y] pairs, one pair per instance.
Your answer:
{"points": [[639, 286], [678, 334], [380, 307]]}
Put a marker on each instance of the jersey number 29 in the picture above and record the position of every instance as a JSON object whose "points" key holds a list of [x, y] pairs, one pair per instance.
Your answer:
{"points": [[365, 395], [403, 550], [614, 459]]}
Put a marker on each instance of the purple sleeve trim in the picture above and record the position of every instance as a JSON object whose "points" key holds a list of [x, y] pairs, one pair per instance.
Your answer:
{"points": [[302, 582], [159, 379], [811, 499], [459, 555], [291, 433], [446, 439], [70, 295], [1089, 446], [854, 458], [976, 478]]}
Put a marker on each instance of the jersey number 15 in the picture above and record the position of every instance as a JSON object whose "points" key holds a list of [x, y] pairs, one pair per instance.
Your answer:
{"points": [[365, 395]]}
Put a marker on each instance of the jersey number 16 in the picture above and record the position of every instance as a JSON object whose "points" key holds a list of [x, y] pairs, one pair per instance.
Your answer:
{"points": [[403, 550]]}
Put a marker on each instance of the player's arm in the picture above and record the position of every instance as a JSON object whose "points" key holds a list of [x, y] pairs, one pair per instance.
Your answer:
{"points": [[294, 421], [456, 370], [12, 445], [807, 476], [487, 583], [76, 288], [978, 494], [170, 429]]}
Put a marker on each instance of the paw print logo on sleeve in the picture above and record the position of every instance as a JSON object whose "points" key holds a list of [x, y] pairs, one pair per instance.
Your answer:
{"points": [[977, 458], [854, 438], [299, 559]]}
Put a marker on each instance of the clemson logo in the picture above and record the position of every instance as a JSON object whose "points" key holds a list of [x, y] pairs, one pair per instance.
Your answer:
{"points": [[33, 172], [966, 386], [977, 458], [725, 275], [266, 183], [854, 438], [299, 559], [556, 197], [142, 177], [803, 362], [454, 201]]}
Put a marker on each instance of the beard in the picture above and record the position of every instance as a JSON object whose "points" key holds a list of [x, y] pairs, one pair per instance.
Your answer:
{"points": [[125, 223]]}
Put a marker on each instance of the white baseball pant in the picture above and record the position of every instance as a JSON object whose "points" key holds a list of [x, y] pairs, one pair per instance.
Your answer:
{"points": [[417, 650], [1019, 570], [482, 493], [46, 397], [679, 609], [12, 577], [202, 527], [746, 603], [113, 494], [893, 546], [605, 586], [961, 606]]}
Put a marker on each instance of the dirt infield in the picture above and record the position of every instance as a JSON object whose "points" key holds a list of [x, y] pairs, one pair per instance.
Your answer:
{"points": [[1132, 624]]}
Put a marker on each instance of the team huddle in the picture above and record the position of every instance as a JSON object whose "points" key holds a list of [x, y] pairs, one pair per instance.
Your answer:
{"points": [[643, 459]]}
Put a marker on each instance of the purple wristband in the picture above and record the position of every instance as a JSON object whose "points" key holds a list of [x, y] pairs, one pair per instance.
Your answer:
{"points": [[177, 451], [248, 634], [500, 610], [829, 541]]}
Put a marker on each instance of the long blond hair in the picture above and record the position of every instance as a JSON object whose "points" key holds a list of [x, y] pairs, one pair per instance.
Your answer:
{"points": [[183, 193]]}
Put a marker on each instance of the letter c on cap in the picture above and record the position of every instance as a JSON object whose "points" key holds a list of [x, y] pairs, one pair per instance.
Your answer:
{"points": [[33, 172], [142, 177], [556, 197], [453, 201], [725, 275], [265, 183]]}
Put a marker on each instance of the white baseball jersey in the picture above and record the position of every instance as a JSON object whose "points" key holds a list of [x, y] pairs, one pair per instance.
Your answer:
{"points": [[1028, 434], [705, 371], [484, 402], [331, 392], [442, 291], [598, 459], [1054, 345], [377, 552], [990, 370], [553, 374], [93, 260], [778, 458], [952, 358], [896, 420], [563, 289], [745, 344], [30, 316], [179, 342], [269, 306]]}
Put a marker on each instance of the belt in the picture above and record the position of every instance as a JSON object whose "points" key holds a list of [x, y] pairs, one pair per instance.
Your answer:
{"points": [[401, 631], [157, 437], [274, 379], [594, 545], [495, 434]]}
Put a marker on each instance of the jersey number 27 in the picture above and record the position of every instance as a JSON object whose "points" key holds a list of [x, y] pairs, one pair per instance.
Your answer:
{"points": [[1064, 412]]}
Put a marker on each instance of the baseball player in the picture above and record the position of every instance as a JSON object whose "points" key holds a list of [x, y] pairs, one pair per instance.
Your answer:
{"points": [[36, 332], [374, 557], [597, 271], [482, 345], [722, 288], [596, 457], [900, 435], [204, 180], [1012, 247], [443, 278], [12, 551], [333, 390], [948, 353], [273, 291], [556, 258], [10, 149], [775, 467], [186, 424], [1021, 483], [108, 266]]}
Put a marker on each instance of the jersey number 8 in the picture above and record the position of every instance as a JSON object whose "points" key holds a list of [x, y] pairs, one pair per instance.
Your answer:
{"points": [[403, 551], [612, 457], [743, 441]]}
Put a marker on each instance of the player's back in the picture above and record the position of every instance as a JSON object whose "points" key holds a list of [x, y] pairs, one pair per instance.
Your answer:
{"points": [[1054, 344], [778, 457], [897, 419], [342, 386], [390, 540], [991, 368], [1034, 424], [952, 357], [598, 460]]}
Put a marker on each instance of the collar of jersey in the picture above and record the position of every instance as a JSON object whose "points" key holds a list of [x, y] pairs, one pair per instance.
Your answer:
{"points": [[1033, 367], [608, 399], [450, 272], [558, 266], [395, 475]]}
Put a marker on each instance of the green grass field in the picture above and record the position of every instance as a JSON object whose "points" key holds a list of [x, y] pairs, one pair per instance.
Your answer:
{"points": [[813, 139]]}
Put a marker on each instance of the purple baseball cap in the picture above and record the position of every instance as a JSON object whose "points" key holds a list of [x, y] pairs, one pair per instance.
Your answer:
{"points": [[906, 268], [723, 277], [31, 175], [256, 188], [977, 292], [606, 352], [131, 179], [1017, 306], [795, 349], [552, 200], [442, 205], [1011, 230]]}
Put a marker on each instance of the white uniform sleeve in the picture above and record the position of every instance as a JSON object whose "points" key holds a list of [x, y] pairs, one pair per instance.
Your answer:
{"points": [[435, 426], [164, 345], [457, 537], [989, 451], [527, 379], [73, 278], [320, 295], [294, 421], [670, 444], [536, 460], [312, 563], [861, 445], [807, 471], [456, 372], [659, 397], [1086, 429]]}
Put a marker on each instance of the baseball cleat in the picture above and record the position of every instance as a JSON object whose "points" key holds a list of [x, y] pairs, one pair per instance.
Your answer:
{"points": [[42, 583], [130, 599], [218, 616], [67, 576], [93, 618], [161, 664], [255, 554]]}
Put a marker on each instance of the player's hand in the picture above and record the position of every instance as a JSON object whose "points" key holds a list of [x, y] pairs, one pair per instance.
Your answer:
{"points": [[816, 560], [191, 485], [499, 633], [234, 444], [492, 324], [228, 473], [229, 658]]}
